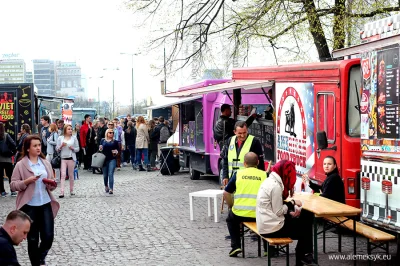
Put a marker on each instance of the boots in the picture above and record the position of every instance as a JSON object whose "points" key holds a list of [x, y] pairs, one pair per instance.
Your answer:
{"points": [[140, 168]]}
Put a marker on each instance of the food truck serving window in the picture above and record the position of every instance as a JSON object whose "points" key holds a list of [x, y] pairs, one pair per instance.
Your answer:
{"points": [[353, 115], [326, 115]]}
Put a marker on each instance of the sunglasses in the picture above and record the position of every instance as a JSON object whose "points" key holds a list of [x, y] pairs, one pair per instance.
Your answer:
{"points": [[110, 132]]}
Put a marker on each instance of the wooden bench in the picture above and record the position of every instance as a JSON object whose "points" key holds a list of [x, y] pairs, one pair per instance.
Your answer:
{"points": [[281, 243], [375, 238]]}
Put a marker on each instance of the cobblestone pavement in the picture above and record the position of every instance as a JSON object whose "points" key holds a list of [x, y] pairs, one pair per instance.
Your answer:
{"points": [[146, 222]]}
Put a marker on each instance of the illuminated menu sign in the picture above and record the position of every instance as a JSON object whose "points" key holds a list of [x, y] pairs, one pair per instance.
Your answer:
{"points": [[388, 92]]}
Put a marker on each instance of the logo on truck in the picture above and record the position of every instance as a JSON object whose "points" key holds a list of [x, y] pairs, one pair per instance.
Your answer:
{"points": [[295, 125]]}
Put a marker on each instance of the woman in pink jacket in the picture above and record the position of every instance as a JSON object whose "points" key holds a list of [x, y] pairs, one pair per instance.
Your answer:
{"points": [[33, 179]]}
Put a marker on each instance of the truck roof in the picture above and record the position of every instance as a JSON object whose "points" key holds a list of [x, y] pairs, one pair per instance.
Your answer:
{"points": [[310, 72]]}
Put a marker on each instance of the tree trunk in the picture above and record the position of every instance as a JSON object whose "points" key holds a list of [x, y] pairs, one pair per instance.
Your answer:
{"points": [[316, 31], [339, 33]]}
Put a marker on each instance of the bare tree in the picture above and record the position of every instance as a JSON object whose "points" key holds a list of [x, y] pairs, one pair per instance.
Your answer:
{"points": [[277, 24]]}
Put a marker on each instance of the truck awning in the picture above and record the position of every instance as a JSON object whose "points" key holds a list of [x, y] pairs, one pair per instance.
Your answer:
{"points": [[175, 102], [227, 86]]}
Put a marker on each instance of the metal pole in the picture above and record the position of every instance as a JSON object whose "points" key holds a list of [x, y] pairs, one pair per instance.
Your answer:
{"points": [[133, 91], [165, 72], [113, 103], [98, 99]]}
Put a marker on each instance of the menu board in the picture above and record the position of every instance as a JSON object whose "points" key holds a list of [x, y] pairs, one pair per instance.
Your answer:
{"points": [[265, 133], [388, 92], [8, 111]]}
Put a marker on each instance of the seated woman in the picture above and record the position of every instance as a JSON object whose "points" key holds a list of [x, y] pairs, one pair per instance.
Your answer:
{"points": [[277, 218], [333, 186]]}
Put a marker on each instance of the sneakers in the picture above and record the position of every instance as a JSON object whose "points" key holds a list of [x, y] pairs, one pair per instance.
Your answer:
{"points": [[4, 194], [107, 189], [14, 194], [110, 192], [124, 164], [234, 252], [118, 168], [308, 260]]}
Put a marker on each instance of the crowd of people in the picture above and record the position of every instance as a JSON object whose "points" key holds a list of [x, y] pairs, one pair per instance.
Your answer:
{"points": [[33, 177]]}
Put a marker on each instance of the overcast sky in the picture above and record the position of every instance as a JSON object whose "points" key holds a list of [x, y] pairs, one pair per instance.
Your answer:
{"points": [[91, 32]]}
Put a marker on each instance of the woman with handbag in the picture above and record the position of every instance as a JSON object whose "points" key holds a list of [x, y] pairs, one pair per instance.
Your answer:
{"points": [[68, 146], [7, 150], [110, 149], [33, 179]]}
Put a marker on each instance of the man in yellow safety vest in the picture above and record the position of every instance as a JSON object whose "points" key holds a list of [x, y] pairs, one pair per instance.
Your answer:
{"points": [[239, 145], [245, 184]]}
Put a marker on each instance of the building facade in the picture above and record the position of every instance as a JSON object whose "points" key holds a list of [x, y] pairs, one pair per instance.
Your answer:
{"points": [[44, 76], [28, 77], [68, 81], [12, 71]]}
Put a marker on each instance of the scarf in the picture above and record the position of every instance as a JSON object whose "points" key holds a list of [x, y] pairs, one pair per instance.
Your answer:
{"points": [[287, 171]]}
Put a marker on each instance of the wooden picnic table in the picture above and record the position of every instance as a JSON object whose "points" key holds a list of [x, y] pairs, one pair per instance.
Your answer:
{"points": [[323, 207]]}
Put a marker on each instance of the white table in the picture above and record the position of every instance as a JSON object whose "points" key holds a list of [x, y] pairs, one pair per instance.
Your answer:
{"points": [[208, 193]]}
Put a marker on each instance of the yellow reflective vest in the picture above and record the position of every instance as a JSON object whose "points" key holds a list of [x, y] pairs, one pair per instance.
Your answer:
{"points": [[248, 182], [235, 161]]}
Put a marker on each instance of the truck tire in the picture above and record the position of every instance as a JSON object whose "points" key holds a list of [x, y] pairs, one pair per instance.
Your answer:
{"points": [[194, 175]]}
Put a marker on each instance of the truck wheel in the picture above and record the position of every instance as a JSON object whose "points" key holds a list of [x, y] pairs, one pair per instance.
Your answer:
{"points": [[194, 175]]}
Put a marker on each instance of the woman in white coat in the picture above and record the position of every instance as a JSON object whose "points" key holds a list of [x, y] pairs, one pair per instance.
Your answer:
{"points": [[142, 144], [68, 145]]}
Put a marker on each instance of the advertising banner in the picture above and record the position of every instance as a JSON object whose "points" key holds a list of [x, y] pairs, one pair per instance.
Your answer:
{"points": [[295, 125]]}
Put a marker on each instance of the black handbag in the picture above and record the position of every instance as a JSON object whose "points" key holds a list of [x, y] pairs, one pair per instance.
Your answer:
{"points": [[56, 161]]}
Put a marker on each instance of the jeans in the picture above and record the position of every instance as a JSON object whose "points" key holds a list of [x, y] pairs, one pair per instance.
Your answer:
{"points": [[43, 227], [131, 149], [108, 173], [139, 153], [153, 155], [9, 169]]}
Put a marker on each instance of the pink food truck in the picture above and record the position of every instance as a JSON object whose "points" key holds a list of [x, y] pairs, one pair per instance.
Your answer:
{"points": [[199, 110]]}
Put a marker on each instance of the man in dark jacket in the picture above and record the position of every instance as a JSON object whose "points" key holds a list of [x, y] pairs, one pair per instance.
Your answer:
{"points": [[224, 127], [156, 134], [12, 233], [101, 132]]}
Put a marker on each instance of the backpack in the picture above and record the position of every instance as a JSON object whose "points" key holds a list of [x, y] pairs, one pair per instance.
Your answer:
{"points": [[164, 134], [7, 147]]}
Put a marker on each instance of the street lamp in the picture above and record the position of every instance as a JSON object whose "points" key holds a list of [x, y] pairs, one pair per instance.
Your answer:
{"points": [[113, 94], [98, 93], [133, 90]]}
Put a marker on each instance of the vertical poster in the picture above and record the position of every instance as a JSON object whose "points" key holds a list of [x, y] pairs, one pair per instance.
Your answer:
{"points": [[192, 130], [185, 135], [8, 112], [26, 106], [295, 125], [388, 92], [67, 109]]}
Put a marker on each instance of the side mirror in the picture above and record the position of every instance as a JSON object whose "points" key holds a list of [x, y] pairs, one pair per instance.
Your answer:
{"points": [[322, 141]]}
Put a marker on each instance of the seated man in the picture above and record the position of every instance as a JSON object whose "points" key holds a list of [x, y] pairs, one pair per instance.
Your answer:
{"points": [[244, 184], [13, 232]]}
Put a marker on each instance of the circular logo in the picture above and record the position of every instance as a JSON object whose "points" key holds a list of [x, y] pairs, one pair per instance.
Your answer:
{"points": [[364, 103]]}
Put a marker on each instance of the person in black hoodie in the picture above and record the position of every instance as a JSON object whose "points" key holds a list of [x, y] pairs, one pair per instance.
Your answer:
{"points": [[333, 186], [130, 142]]}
